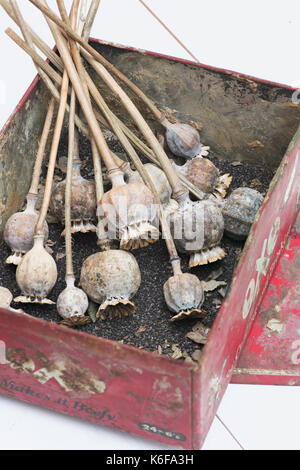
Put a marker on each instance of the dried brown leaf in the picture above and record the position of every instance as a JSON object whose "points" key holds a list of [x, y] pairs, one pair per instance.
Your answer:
{"points": [[256, 144], [49, 250], [197, 355], [60, 256], [199, 333], [222, 291], [177, 354], [140, 330], [255, 183], [212, 285]]}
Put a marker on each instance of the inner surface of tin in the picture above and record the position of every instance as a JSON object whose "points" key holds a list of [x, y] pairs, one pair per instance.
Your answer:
{"points": [[248, 126]]}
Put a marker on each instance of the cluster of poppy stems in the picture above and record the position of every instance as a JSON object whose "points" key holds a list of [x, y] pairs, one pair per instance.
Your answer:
{"points": [[111, 277]]}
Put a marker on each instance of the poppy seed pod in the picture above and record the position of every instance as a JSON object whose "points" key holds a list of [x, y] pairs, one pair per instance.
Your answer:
{"points": [[111, 278], [19, 231], [36, 274], [131, 213], [182, 139], [205, 176], [83, 202], [239, 211], [197, 229], [158, 178], [160, 182], [6, 297], [184, 296], [72, 303]]}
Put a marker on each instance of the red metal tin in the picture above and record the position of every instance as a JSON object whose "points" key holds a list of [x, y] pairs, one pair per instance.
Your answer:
{"points": [[271, 354], [146, 394]]}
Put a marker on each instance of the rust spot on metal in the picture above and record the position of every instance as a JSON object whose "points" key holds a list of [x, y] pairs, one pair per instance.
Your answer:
{"points": [[256, 144], [19, 361], [79, 380]]}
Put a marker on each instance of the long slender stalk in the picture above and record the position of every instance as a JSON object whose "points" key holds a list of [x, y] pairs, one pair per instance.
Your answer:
{"points": [[177, 186], [87, 27], [49, 72], [42, 66], [84, 103], [81, 73], [68, 188], [53, 155], [137, 143], [54, 58], [41, 150], [142, 171], [168, 30], [85, 46], [90, 19]]}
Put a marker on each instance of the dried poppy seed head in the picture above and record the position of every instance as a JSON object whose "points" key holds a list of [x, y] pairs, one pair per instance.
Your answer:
{"points": [[159, 179], [197, 229], [83, 202], [239, 212], [72, 304], [184, 296], [205, 176], [19, 231], [36, 274], [131, 212], [183, 140], [111, 278], [6, 297]]}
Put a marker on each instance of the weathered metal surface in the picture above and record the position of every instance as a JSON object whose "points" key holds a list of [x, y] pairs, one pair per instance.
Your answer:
{"points": [[242, 118], [102, 381], [18, 145], [271, 354], [263, 248], [124, 387]]}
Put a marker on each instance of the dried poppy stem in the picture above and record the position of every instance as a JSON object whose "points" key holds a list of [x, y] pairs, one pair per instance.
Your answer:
{"points": [[41, 150], [49, 72], [183, 139], [81, 71], [141, 146], [68, 189], [82, 17], [90, 19], [84, 103], [19, 229], [50, 14], [53, 153], [15, 12], [72, 302], [177, 186], [87, 27], [35, 38]]}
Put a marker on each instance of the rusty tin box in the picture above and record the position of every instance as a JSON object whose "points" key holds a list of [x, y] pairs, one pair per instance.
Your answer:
{"points": [[142, 392]]}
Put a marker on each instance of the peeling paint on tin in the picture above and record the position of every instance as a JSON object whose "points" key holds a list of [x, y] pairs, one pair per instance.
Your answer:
{"points": [[275, 326]]}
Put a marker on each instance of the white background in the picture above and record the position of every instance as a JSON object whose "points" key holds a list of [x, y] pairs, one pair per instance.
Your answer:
{"points": [[260, 38]]}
